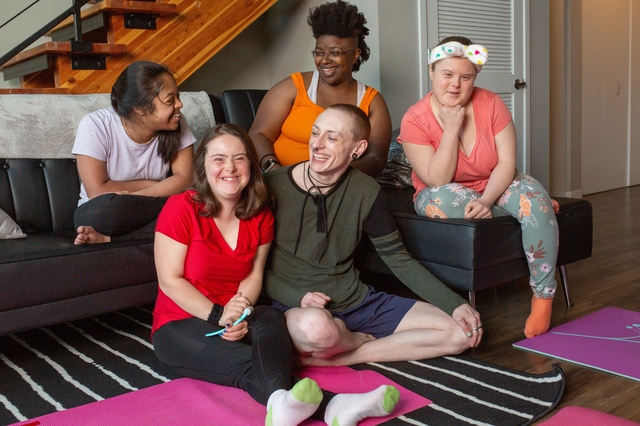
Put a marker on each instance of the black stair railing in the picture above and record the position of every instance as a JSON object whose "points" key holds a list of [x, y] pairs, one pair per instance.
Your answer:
{"points": [[77, 45]]}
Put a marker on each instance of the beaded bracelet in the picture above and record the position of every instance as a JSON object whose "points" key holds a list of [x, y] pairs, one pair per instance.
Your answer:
{"points": [[215, 314]]}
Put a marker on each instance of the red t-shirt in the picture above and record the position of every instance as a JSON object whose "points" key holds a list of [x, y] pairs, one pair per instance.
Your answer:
{"points": [[420, 126], [210, 264]]}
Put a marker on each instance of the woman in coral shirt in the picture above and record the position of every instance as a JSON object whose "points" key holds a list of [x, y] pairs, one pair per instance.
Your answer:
{"points": [[461, 143]]}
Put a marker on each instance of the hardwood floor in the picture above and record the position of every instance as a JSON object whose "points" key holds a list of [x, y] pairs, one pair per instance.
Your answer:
{"points": [[611, 277]]}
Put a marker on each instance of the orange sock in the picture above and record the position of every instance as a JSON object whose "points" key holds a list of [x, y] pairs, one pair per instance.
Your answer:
{"points": [[539, 318]]}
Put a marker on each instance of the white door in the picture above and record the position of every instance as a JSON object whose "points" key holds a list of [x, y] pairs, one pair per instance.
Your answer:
{"points": [[605, 94], [500, 26]]}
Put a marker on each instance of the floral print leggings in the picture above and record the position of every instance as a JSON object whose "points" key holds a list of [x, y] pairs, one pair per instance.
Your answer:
{"points": [[526, 200]]}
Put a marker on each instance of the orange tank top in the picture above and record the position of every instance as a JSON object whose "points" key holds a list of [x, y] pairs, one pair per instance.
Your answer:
{"points": [[292, 146]]}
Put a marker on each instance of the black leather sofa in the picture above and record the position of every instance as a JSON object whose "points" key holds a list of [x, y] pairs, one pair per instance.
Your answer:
{"points": [[45, 279]]}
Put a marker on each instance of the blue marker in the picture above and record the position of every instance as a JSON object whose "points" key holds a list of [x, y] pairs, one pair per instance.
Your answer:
{"points": [[238, 321]]}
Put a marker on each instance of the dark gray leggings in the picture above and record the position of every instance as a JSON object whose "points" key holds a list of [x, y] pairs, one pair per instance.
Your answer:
{"points": [[260, 364], [123, 217]]}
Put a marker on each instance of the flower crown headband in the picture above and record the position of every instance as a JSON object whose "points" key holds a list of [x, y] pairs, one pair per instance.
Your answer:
{"points": [[475, 53]]}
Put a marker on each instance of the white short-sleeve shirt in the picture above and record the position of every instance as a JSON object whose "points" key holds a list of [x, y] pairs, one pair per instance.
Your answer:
{"points": [[101, 135]]}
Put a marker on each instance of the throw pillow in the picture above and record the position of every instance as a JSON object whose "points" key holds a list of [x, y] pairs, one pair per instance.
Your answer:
{"points": [[9, 230], [397, 173]]}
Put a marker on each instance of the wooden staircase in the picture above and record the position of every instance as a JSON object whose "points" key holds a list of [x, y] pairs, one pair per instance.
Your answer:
{"points": [[187, 34]]}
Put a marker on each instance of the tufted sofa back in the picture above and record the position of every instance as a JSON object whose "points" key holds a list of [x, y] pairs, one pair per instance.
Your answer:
{"points": [[41, 195]]}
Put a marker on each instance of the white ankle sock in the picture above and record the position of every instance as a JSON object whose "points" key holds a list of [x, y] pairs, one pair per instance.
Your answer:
{"points": [[289, 408], [348, 409]]}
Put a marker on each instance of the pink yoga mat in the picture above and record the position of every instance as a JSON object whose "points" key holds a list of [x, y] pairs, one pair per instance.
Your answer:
{"points": [[189, 401], [607, 340], [585, 417]]}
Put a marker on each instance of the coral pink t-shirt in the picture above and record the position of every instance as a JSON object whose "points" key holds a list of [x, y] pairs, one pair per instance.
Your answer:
{"points": [[211, 265], [420, 126]]}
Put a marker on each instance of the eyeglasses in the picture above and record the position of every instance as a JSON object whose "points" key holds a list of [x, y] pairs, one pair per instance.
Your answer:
{"points": [[333, 53]]}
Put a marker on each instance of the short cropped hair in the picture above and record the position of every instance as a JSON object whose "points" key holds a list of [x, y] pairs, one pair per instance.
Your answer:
{"points": [[360, 124]]}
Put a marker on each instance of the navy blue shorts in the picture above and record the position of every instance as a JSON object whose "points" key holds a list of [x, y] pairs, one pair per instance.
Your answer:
{"points": [[378, 315]]}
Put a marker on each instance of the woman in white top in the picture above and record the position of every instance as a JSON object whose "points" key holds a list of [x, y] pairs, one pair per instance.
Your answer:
{"points": [[132, 157]]}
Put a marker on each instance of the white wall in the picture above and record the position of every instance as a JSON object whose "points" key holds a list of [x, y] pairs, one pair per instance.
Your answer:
{"points": [[276, 45], [634, 101], [400, 73], [607, 58]]}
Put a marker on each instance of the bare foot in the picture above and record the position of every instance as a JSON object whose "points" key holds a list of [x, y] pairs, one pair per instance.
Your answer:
{"points": [[309, 361], [88, 235], [342, 358]]}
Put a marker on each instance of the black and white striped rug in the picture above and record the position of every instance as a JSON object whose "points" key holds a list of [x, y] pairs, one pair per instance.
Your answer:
{"points": [[54, 368]]}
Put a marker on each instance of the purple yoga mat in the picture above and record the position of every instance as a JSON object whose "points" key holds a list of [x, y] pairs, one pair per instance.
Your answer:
{"points": [[194, 402], [607, 340]]}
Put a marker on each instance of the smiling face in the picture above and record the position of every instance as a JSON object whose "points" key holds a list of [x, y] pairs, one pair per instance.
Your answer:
{"points": [[332, 144], [336, 69], [227, 167], [165, 113], [453, 80]]}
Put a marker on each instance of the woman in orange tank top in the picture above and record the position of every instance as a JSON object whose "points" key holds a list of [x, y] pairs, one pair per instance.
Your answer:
{"points": [[282, 126]]}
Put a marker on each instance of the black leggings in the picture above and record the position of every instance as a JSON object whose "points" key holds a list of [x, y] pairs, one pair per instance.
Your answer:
{"points": [[123, 217], [260, 363]]}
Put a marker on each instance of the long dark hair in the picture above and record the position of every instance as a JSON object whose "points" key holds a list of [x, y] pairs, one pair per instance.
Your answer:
{"points": [[136, 88], [255, 196], [342, 20]]}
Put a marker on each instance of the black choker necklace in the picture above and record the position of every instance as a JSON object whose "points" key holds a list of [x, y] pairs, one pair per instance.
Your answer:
{"points": [[316, 183]]}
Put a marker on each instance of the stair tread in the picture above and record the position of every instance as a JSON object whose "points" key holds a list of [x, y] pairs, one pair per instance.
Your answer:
{"points": [[63, 48], [183, 41], [120, 7], [35, 91]]}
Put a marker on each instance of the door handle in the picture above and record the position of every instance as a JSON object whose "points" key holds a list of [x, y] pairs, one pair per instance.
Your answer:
{"points": [[520, 84]]}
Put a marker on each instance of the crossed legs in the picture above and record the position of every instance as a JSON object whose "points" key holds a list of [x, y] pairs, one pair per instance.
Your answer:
{"points": [[424, 332]]}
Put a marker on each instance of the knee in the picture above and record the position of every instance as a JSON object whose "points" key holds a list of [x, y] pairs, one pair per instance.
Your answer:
{"points": [[459, 342], [313, 326]]}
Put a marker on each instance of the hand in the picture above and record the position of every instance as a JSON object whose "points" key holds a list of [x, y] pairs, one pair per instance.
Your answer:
{"points": [[234, 310], [469, 321], [314, 299], [556, 206], [235, 332], [477, 210], [452, 117]]}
